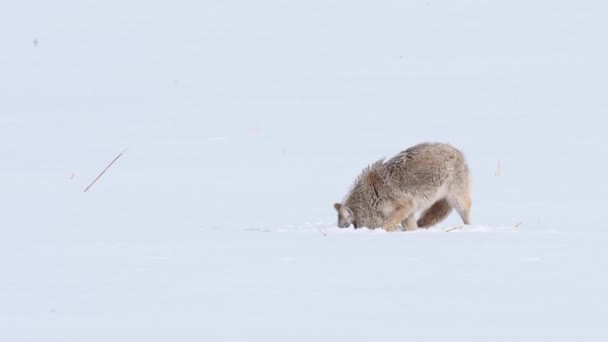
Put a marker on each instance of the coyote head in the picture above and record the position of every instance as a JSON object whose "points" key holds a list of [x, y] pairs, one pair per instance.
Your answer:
{"points": [[359, 217], [360, 205], [345, 216]]}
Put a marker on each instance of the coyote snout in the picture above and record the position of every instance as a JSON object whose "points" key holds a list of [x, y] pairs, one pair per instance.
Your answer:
{"points": [[433, 177]]}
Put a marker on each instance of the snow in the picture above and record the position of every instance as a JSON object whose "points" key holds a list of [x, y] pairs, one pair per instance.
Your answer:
{"points": [[245, 121], [302, 285]]}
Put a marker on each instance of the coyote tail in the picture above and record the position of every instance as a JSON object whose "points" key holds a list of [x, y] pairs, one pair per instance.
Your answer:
{"points": [[435, 214]]}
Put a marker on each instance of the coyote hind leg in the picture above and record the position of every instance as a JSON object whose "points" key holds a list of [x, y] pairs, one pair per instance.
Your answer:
{"points": [[461, 201]]}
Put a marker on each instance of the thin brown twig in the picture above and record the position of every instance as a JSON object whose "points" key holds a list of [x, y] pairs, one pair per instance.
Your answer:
{"points": [[453, 228], [104, 170]]}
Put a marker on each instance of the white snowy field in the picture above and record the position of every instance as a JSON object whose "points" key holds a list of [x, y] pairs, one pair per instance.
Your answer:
{"points": [[297, 284], [245, 121]]}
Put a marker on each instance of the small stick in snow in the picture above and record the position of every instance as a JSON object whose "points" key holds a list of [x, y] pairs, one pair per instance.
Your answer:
{"points": [[453, 228], [517, 225], [322, 232], [104, 170]]}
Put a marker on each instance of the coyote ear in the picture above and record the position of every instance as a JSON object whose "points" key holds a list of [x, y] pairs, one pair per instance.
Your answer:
{"points": [[337, 206], [347, 214]]}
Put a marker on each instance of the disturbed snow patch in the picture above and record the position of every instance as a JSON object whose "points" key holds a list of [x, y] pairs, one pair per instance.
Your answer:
{"points": [[330, 228]]}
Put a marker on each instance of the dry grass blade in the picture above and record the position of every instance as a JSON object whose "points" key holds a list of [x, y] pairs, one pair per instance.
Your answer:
{"points": [[104, 170], [517, 225], [453, 228], [322, 232]]}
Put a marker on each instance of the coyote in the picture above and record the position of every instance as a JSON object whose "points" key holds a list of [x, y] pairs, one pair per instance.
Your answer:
{"points": [[433, 177]]}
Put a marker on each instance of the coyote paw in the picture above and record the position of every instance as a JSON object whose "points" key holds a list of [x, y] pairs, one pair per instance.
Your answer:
{"points": [[390, 228]]}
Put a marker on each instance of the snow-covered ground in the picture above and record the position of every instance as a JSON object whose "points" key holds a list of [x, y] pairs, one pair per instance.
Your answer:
{"points": [[246, 120], [170, 283]]}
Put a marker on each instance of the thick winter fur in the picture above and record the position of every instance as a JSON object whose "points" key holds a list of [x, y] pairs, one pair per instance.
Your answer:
{"points": [[428, 177]]}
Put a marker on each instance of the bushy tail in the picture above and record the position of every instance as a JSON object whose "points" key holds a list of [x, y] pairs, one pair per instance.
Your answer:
{"points": [[435, 214]]}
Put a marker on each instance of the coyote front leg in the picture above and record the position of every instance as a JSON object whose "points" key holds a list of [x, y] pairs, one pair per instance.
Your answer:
{"points": [[399, 215], [410, 223]]}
